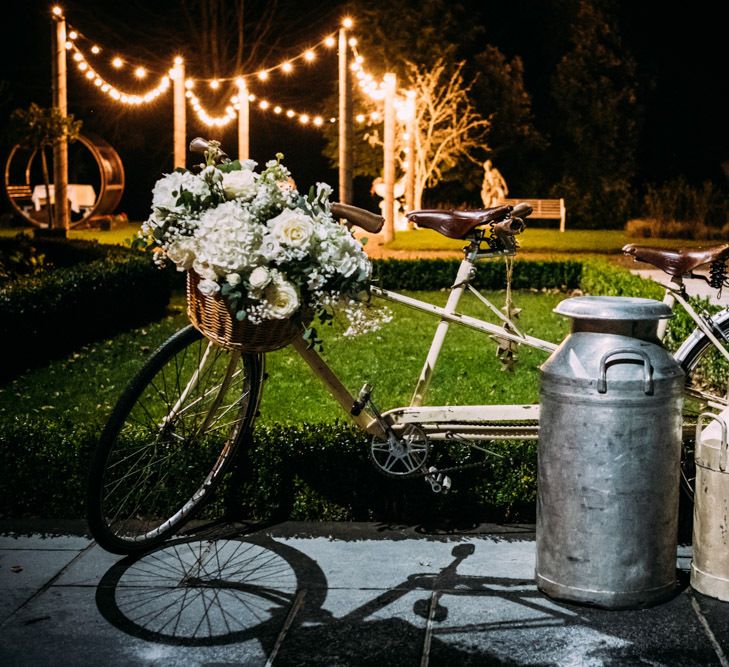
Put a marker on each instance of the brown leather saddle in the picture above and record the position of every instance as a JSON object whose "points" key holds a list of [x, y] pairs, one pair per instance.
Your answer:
{"points": [[677, 261], [457, 224]]}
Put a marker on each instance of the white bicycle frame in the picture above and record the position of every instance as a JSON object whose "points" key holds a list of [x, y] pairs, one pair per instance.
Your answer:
{"points": [[472, 422], [485, 422]]}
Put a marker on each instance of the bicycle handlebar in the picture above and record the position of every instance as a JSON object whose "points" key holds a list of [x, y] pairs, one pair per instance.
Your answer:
{"points": [[370, 222]]}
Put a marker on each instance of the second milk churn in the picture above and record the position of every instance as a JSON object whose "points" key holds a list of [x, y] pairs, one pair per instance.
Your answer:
{"points": [[609, 452], [710, 564]]}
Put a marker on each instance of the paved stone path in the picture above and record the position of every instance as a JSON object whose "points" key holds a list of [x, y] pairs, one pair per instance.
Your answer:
{"points": [[327, 594]]}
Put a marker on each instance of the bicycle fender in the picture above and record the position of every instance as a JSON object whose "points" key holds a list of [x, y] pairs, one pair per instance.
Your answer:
{"points": [[697, 334]]}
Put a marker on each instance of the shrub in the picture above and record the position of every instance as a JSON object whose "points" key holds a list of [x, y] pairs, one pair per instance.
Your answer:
{"points": [[312, 471], [677, 209], [433, 274], [598, 277], [54, 311]]}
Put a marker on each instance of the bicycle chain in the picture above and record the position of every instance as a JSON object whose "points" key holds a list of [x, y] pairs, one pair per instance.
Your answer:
{"points": [[440, 471]]}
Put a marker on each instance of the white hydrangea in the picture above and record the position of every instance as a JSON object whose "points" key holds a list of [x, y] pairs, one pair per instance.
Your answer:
{"points": [[228, 238]]}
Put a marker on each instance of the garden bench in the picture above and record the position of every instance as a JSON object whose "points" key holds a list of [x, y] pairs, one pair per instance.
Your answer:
{"points": [[544, 209], [21, 195]]}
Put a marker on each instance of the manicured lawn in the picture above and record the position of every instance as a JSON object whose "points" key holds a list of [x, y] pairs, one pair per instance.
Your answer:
{"points": [[118, 236], [85, 385], [535, 240]]}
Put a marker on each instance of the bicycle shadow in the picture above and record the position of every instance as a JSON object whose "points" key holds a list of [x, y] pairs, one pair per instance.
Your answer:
{"points": [[221, 588]]}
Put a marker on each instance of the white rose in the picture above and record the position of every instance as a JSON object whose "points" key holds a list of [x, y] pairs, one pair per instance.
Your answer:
{"points": [[211, 174], [239, 184], [233, 279], [259, 278], [270, 247], [182, 253], [282, 299], [292, 228], [204, 270], [208, 287], [162, 196]]}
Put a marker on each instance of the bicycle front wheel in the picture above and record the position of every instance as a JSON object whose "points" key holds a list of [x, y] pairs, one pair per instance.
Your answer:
{"points": [[170, 439], [707, 386]]}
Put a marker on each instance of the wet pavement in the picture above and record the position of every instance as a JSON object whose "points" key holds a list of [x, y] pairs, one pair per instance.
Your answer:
{"points": [[326, 594]]}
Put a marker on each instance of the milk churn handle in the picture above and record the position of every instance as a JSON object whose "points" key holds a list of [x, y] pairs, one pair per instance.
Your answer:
{"points": [[647, 369], [724, 443]]}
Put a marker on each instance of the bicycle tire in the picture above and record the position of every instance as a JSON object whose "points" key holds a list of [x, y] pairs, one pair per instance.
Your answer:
{"points": [[707, 373], [169, 441]]}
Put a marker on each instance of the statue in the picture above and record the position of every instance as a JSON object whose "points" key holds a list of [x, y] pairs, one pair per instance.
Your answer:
{"points": [[493, 189], [378, 188]]}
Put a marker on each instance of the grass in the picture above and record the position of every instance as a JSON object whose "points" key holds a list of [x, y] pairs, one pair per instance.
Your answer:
{"points": [[118, 236], [535, 240], [85, 385]]}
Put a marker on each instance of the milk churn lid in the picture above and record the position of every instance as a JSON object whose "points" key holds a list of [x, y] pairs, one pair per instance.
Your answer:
{"points": [[613, 308]]}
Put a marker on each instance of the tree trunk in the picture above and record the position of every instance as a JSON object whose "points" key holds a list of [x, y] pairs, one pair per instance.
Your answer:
{"points": [[47, 183]]}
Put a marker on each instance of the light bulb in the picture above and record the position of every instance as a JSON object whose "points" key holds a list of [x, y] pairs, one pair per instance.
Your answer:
{"points": [[117, 62]]}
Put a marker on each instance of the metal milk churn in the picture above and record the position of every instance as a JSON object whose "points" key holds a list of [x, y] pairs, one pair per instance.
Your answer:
{"points": [[710, 564], [609, 454]]}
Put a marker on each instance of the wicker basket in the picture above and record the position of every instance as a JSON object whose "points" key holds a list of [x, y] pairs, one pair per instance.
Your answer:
{"points": [[211, 316]]}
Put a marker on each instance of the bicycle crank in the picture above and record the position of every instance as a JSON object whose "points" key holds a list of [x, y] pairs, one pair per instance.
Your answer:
{"points": [[439, 483]]}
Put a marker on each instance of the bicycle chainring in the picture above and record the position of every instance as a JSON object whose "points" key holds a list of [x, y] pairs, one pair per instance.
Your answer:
{"points": [[402, 454]]}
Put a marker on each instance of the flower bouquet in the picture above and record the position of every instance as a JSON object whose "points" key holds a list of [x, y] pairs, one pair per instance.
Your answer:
{"points": [[262, 259]]}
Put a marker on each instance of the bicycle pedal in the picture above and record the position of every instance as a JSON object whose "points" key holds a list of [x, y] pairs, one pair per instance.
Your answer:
{"points": [[439, 483]]}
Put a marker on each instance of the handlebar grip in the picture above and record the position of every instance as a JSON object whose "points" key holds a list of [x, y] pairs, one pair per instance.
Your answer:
{"points": [[510, 226], [521, 210], [370, 222]]}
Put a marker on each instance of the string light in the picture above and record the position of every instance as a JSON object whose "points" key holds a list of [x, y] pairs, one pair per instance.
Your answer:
{"points": [[118, 62], [134, 99], [57, 11], [205, 117], [347, 22]]}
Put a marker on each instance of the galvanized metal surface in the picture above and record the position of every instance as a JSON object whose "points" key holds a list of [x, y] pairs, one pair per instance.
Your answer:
{"points": [[608, 477], [613, 308], [710, 565]]}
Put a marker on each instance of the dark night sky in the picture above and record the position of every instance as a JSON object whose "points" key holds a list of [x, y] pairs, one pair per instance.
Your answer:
{"points": [[680, 49]]}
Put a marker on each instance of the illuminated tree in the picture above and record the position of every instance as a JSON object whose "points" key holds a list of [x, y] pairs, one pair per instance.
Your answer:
{"points": [[39, 129], [449, 130]]}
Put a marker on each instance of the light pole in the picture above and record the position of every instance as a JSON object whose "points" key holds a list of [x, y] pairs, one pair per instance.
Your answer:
{"points": [[60, 102]]}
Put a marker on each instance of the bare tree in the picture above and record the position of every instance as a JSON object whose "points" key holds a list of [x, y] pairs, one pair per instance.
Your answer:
{"points": [[448, 127]]}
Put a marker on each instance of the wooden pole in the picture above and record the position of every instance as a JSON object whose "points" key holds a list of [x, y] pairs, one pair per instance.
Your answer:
{"points": [[345, 121], [410, 172], [243, 120], [179, 129], [60, 147], [389, 157]]}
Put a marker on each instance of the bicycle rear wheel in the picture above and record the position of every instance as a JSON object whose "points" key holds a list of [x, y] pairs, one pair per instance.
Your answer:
{"points": [[707, 388], [169, 441]]}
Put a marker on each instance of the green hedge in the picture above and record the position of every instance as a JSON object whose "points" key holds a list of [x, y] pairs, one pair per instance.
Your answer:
{"points": [[431, 274], [305, 472], [59, 309], [318, 471]]}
